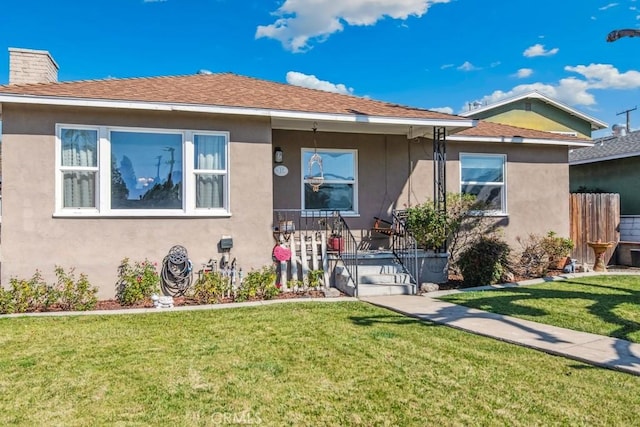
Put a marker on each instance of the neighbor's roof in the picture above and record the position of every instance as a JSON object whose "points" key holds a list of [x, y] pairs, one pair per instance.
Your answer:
{"points": [[497, 132], [223, 89], [595, 123], [607, 148]]}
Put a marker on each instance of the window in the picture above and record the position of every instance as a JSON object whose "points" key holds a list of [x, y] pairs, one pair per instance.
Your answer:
{"points": [[141, 172], [79, 167], [483, 175], [339, 191]]}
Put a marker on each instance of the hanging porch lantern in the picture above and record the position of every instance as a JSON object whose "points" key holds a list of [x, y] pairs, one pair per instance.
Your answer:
{"points": [[316, 173]]}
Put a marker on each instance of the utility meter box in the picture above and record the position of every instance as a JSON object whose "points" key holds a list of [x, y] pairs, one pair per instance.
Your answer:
{"points": [[226, 243]]}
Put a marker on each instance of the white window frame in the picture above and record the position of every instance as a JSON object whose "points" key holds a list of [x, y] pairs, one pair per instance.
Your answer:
{"points": [[303, 181], [103, 179], [503, 183]]}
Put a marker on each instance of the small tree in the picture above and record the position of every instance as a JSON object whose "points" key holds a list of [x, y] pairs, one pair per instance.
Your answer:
{"points": [[462, 223]]}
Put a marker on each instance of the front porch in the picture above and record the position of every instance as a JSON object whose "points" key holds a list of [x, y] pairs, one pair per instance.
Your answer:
{"points": [[310, 244]]}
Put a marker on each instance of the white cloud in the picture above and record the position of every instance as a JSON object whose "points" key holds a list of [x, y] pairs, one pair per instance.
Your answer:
{"points": [[445, 66], [300, 22], [523, 73], [312, 82], [606, 76], [539, 50], [576, 91], [153, 1], [495, 64], [609, 6], [467, 66], [571, 91], [446, 110]]}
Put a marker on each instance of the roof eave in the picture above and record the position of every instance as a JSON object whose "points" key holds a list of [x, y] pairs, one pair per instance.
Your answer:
{"points": [[604, 158], [519, 140], [281, 119]]}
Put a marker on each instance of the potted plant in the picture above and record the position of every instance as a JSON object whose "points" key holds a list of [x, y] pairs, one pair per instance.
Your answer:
{"points": [[558, 250]]}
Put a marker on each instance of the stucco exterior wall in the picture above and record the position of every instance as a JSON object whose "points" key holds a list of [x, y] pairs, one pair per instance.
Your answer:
{"points": [[33, 239], [395, 172], [537, 180], [613, 176]]}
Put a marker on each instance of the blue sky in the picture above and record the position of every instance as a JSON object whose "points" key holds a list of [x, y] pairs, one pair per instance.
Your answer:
{"points": [[437, 54]]}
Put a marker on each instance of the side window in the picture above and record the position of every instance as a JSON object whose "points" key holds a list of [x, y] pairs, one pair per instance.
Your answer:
{"points": [[483, 175], [210, 168], [79, 167]]}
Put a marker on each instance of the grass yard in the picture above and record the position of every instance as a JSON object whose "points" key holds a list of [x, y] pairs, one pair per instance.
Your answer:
{"points": [[605, 305], [345, 363]]}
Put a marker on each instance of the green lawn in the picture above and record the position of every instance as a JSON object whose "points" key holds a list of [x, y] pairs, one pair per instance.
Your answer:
{"points": [[305, 364], [605, 305]]}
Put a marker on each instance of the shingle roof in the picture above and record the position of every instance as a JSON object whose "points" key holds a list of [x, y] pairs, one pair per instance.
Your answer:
{"points": [[491, 129], [224, 89], [608, 147]]}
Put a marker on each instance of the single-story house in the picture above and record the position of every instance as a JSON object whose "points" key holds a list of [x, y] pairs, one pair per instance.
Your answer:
{"points": [[95, 171], [535, 110]]}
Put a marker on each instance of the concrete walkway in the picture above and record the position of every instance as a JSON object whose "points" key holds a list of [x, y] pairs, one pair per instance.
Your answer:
{"points": [[593, 349]]}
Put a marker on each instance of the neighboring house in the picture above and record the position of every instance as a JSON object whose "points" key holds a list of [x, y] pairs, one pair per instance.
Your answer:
{"points": [[96, 171], [533, 110], [612, 165]]}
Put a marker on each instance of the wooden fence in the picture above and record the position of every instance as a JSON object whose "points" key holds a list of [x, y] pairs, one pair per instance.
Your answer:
{"points": [[593, 217]]}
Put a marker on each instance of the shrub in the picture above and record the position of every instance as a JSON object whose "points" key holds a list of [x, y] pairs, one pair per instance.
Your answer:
{"points": [[6, 301], [211, 287], [77, 295], [429, 226], [36, 295], [539, 253], [136, 282], [533, 259], [484, 261], [315, 278], [462, 224], [28, 295], [260, 284]]}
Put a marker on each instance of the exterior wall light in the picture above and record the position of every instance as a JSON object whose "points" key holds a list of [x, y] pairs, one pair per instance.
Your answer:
{"points": [[278, 155]]}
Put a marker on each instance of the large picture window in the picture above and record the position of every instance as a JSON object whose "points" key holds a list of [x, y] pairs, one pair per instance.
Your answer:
{"points": [[146, 170], [339, 189], [141, 172], [483, 175]]}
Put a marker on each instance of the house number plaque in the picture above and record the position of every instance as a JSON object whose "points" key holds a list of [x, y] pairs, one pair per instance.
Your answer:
{"points": [[281, 170]]}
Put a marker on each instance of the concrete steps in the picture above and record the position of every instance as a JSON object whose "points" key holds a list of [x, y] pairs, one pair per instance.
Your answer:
{"points": [[378, 275]]}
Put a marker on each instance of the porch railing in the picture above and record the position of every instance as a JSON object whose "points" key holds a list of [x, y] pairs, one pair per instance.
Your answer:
{"points": [[332, 224], [404, 246]]}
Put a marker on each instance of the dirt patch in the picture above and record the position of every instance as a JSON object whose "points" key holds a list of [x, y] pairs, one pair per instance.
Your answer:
{"points": [[456, 282], [113, 304]]}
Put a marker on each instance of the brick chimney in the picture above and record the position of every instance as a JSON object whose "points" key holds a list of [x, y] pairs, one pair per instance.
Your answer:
{"points": [[31, 66]]}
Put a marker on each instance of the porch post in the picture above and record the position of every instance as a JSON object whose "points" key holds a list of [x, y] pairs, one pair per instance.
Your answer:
{"points": [[440, 171]]}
